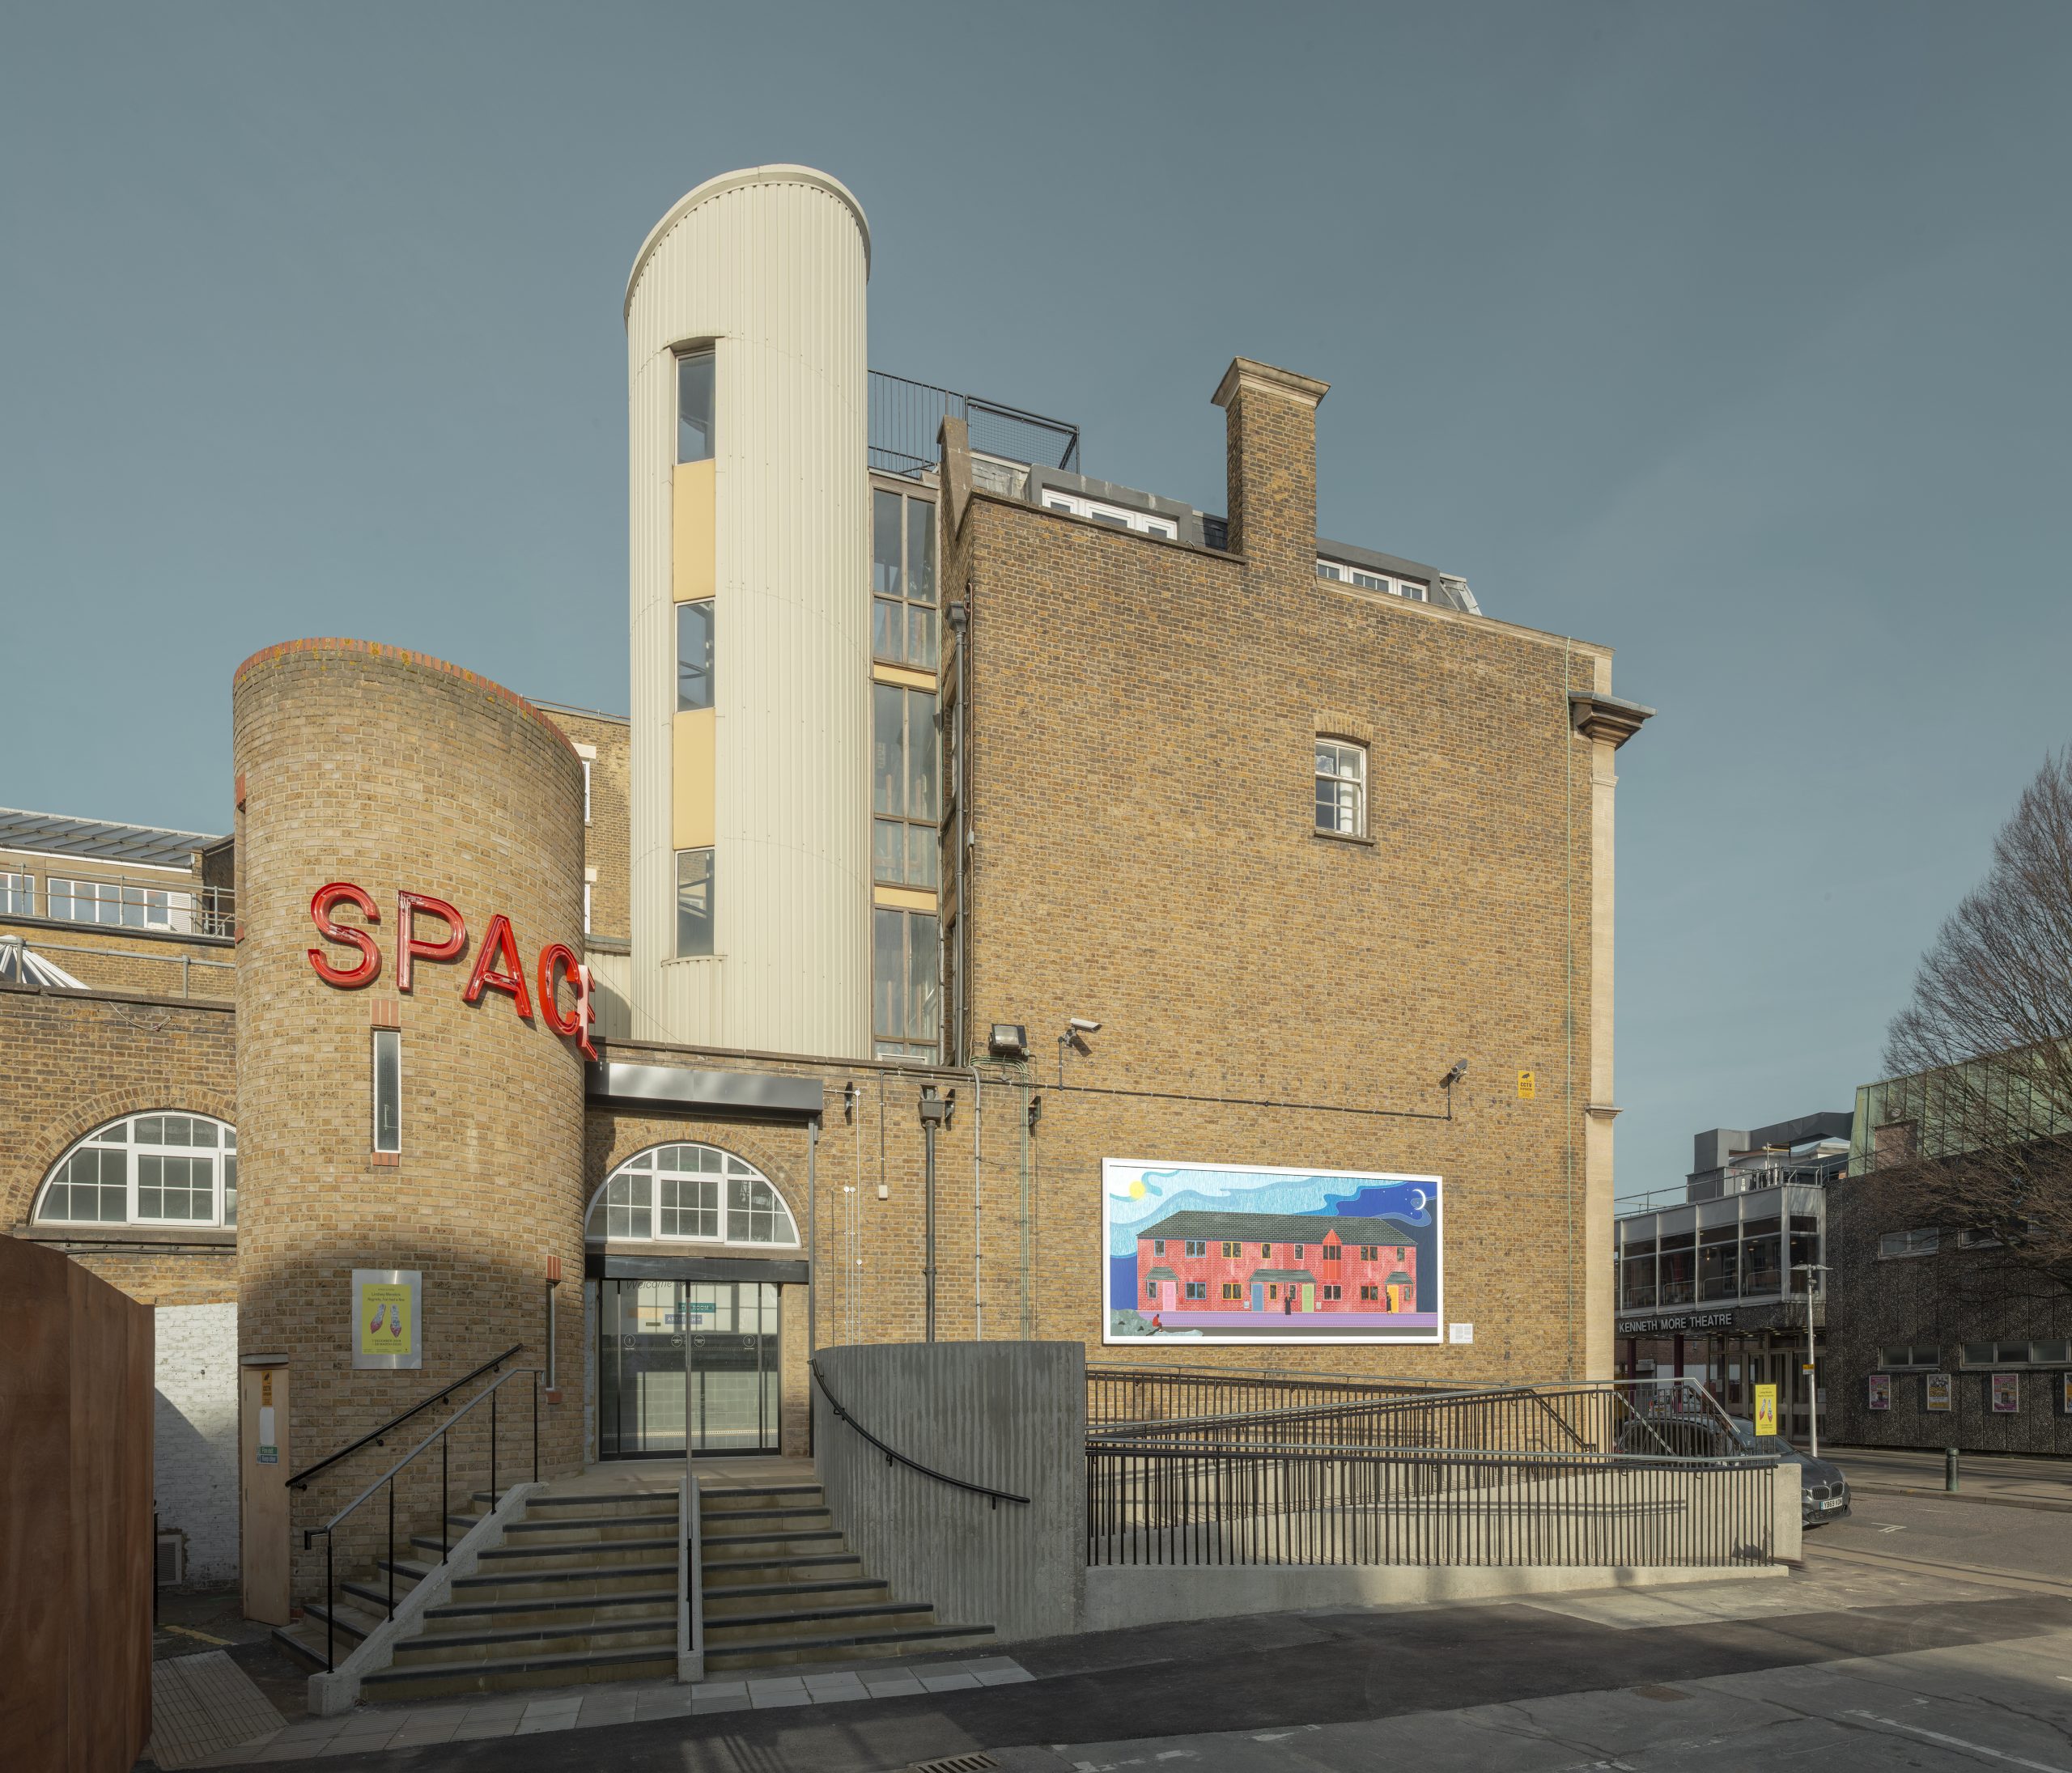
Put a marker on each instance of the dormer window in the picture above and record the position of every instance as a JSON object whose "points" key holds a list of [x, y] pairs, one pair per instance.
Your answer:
{"points": [[1114, 516], [1365, 579]]}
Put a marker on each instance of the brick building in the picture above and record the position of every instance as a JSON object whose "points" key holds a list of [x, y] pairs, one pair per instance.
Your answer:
{"points": [[1079, 819]]}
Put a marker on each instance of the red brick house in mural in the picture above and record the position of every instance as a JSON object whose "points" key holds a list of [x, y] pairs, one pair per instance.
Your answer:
{"points": [[1285, 1263]]}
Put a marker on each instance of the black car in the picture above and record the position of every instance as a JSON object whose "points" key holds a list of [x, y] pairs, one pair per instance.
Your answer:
{"points": [[1823, 1486]]}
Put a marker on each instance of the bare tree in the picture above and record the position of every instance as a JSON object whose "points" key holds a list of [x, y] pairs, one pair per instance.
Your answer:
{"points": [[1975, 1127]]}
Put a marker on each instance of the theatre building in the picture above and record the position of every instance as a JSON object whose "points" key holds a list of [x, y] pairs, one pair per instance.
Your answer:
{"points": [[615, 1044]]}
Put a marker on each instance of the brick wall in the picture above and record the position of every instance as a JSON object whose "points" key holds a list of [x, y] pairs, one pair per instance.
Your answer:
{"points": [[112, 959], [395, 771], [77, 1062], [1945, 1299], [1140, 718], [194, 1471]]}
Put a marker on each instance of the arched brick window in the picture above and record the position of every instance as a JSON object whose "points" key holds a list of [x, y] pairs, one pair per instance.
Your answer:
{"points": [[691, 1194], [159, 1168]]}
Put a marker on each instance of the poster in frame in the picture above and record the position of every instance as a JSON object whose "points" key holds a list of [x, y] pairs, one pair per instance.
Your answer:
{"points": [[1239, 1254], [2006, 1394], [1881, 1391], [1935, 1391]]}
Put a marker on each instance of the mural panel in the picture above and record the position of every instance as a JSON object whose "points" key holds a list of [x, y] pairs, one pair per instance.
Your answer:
{"points": [[1233, 1253]]}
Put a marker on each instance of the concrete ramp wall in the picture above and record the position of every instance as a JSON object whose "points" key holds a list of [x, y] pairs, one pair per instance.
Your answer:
{"points": [[1008, 1415]]}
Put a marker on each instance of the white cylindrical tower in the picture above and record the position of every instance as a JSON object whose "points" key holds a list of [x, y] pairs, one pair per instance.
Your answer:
{"points": [[751, 648]]}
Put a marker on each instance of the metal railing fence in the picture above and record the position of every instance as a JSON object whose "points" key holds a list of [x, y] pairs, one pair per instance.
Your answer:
{"points": [[186, 964], [905, 417], [1136, 1394], [441, 1437], [1671, 1418], [120, 902], [1148, 1503]]}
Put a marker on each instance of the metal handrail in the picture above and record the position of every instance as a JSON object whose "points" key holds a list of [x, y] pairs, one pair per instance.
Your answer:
{"points": [[893, 1456], [1487, 1456], [301, 1478], [439, 1434]]}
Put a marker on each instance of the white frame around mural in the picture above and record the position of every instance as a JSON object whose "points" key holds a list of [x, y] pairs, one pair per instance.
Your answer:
{"points": [[1434, 1337]]}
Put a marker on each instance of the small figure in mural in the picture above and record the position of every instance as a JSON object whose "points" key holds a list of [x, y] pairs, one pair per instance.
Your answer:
{"points": [[1288, 1303], [1157, 1323]]}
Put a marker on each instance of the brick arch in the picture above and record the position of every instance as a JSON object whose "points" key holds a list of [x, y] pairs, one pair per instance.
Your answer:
{"points": [[627, 1144], [98, 1111]]}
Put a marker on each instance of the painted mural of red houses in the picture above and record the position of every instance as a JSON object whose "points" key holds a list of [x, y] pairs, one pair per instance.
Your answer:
{"points": [[1290, 1263]]}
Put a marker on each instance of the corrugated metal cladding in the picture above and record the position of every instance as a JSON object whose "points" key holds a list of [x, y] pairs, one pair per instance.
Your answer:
{"points": [[770, 268]]}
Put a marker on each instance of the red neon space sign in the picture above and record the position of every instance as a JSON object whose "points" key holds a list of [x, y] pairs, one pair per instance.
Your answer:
{"points": [[497, 968]]}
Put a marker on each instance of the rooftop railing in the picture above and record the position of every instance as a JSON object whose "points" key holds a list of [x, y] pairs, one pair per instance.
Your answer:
{"points": [[121, 902], [905, 418]]}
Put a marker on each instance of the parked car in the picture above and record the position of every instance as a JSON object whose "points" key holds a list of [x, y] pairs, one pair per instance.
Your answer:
{"points": [[1823, 1486]]}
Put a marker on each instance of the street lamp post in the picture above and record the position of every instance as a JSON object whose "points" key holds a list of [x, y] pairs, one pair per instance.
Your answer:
{"points": [[1812, 1372]]}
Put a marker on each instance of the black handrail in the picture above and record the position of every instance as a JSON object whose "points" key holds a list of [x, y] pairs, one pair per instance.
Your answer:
{"points": [[302, 1477], [893, 1457], [388, 1480]]}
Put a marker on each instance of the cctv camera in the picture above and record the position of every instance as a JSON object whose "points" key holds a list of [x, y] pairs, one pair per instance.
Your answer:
{"points": [[1084, 1025]]}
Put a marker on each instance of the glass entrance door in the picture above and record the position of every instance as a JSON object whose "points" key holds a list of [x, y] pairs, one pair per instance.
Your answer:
{"points": [[644, 1329]]}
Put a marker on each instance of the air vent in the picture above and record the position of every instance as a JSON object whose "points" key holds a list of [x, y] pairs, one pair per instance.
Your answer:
{"points": [[955, 1763]]}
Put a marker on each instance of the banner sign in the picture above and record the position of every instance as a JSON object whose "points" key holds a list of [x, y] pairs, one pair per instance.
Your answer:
{"points": [[1766, 1409], [388, 1318]]}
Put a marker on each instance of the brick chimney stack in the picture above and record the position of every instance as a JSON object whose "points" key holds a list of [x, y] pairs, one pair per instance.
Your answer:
{"points": [[1270, 456]]}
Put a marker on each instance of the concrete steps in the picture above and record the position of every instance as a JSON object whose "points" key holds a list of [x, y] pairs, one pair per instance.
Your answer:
{"points": [[781, 1587], [582, 1587]]}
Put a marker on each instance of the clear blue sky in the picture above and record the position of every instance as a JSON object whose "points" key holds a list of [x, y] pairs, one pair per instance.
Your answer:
{"points": [[1733, 336]]}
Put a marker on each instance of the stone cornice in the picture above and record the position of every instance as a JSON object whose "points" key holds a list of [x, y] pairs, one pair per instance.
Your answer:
{"points": [[1607, 717]]}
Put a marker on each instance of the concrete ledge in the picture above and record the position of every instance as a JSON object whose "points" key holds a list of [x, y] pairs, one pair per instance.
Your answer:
{"points": [[1122, 1596], [332, 1694]]}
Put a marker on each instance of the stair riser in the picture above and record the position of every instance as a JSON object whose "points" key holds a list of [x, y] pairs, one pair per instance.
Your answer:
{"points": [[745, 1526], [721, 1635], [430, 1652], [723, 1502], [720, 1604], [602, 1612], [506, 1560], [737, 1550], [573, 1532], [441, 1682], [718, 1578], [574, 1583]]}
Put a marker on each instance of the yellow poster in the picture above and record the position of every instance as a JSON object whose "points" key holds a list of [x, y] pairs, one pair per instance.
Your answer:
{"points": [[1766, 1409], [385, 1327]]}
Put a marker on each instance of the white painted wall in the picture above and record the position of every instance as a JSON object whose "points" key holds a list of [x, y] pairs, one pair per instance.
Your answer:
{"points": [[768, 266], [195, 1435]]}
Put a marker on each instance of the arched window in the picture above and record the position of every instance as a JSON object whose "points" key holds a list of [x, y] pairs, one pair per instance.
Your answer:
{"points": [[145, 1169], [692, 1193]]}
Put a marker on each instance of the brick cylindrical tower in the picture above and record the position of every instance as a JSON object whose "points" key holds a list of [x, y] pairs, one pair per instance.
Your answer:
{"points": [[395, 773]]}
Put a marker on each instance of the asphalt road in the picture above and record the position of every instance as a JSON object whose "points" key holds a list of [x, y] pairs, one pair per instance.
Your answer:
{"points": [[1952, 1530]]}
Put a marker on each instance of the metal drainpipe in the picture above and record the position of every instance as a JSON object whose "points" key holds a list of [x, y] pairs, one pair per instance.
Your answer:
{"points": [[813, 1277], [958, 616], [1026, 1332], [978, 1212], [935, 1113]]}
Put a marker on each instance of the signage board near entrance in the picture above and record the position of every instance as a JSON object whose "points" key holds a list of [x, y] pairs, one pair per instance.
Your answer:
{"points": [[387, 1328], [1766, 1409], [1699, 1320]]}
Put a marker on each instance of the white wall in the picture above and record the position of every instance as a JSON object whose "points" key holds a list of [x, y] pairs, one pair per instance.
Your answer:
{"points": [[195, 1480]]}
